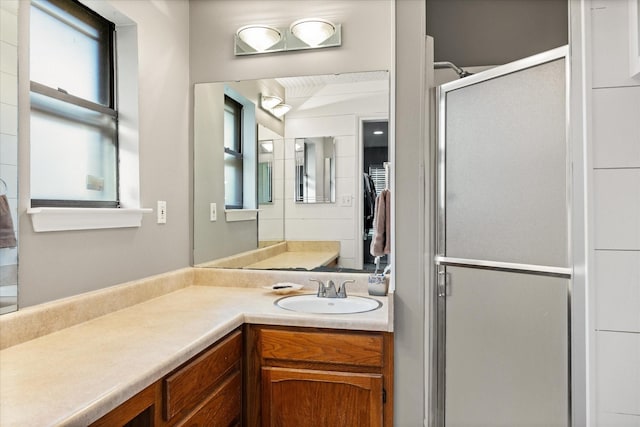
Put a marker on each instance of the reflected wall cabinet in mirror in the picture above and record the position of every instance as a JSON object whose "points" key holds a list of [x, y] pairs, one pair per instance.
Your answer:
{"points": [[315, 170], [307, 181]]}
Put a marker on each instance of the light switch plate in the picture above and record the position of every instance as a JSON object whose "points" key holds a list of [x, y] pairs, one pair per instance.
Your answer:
{"points": [[213, 214], [162, 212]]}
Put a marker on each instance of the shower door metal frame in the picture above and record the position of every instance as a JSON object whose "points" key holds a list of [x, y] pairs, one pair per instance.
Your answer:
{"points": [[441, 261]]}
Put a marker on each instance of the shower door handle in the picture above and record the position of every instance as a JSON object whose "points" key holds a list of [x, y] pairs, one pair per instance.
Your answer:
{"points": [[444, 284]]}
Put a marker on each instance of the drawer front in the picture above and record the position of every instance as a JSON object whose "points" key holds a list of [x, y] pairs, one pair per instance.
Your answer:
{"points": [[337, 348], [222, 408], [190, 384]]}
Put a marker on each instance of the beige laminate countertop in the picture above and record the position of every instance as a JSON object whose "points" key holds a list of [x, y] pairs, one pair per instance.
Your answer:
{"points": [[75, 375], [302, 259]]}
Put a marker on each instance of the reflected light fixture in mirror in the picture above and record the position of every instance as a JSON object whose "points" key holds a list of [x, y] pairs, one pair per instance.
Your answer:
{"points": [[274, 105], [259, 37], [312, 31], [266, 147]]}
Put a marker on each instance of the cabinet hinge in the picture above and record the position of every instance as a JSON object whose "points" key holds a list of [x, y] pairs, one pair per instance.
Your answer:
{"points": [[384, 396]]}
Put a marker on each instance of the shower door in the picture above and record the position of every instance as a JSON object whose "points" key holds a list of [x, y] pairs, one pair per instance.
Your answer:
{"points": [[502, 260]]}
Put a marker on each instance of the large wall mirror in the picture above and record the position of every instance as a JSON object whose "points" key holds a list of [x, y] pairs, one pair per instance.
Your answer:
{"points": [[313, 177], [9, 157]]}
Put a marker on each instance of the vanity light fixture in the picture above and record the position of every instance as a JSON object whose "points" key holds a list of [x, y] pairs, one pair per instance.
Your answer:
{"points": [[266, 147], [270, 101], [308, 33], [378, 132], [280, 110], [274, 105], [312, 31], [259, 37]]}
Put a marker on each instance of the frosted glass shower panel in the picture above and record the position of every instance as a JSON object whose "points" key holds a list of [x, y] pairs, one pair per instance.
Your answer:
{"points": [[507, 349], [506, 191]]}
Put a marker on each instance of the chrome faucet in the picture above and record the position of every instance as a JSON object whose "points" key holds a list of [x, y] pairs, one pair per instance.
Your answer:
{"points": [[342, 290], [326, 291], [329, 290]]}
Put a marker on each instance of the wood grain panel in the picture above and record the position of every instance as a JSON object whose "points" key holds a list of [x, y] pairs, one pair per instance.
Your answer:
{"points": [[222, 408], [297, 397], [326, 347], [188, 385], [138, 411]]}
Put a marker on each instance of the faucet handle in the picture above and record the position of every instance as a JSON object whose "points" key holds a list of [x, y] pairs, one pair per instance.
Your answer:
{"points": [[321, 288], [342, 290]]}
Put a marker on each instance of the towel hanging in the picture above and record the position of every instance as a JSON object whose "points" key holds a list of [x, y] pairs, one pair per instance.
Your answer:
{"points": [[381, 242], [7, 232]]}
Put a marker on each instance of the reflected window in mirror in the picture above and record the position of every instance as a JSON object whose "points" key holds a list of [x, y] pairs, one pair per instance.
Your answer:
{"points": [[233, 169], [240, 152]]}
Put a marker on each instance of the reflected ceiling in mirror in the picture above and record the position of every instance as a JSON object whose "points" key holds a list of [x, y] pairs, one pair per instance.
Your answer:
{"points": [[336, 106]]}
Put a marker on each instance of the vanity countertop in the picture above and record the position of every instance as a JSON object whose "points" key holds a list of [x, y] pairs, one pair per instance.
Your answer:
{"points": [[75, 375], [300, 259]]}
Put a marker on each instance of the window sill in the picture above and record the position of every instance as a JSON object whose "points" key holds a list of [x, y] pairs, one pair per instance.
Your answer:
{"points": [[62, 219], [233, 215]]}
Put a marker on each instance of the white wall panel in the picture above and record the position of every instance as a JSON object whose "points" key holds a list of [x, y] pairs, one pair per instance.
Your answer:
{"points": [[9, 122], [319, 126], [8, 149], [617, 274], [618, 389], [8, 88], [9, 55], [616, 127], [8, 23], [318, 229], [617, 208], [610, 44], [610, 419]]}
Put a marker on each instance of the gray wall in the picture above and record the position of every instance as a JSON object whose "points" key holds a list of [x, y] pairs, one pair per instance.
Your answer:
{"points": [[53, 265], [494, 32], [213, 240], [366, 38], [410, 219]]}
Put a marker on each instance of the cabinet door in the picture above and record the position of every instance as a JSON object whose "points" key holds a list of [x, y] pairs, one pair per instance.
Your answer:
{"points": [[301, 397]]}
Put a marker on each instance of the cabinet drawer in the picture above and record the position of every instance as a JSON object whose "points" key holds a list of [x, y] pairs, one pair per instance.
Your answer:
{"points": [[191, 383], [326, 347], [222, 408]]}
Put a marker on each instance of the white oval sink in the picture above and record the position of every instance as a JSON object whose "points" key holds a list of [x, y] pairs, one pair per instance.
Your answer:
{"points": [[310, 303]]}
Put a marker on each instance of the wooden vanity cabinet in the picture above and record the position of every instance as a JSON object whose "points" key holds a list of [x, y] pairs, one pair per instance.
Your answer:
{"points": [[205, 391], [318, 377], [138, 411]]}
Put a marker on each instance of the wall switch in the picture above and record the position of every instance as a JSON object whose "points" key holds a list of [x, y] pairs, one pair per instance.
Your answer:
{"points": [[213, 214], [162, 212], [345, 200]]}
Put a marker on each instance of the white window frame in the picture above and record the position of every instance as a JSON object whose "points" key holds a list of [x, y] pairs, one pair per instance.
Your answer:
{"points": [[249, 159], [129, 214]]}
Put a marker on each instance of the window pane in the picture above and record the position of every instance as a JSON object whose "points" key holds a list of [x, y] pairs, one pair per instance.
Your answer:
{"points": [[264, 182], [232, 112], [73, 154], [232, 181], [66, 53]]}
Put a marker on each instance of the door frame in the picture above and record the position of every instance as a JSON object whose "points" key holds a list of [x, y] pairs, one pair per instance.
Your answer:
{"points": [[359, 259]]}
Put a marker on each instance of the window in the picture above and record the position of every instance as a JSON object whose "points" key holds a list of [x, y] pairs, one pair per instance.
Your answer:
{"points": [[233, 157], [74, 121]]}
